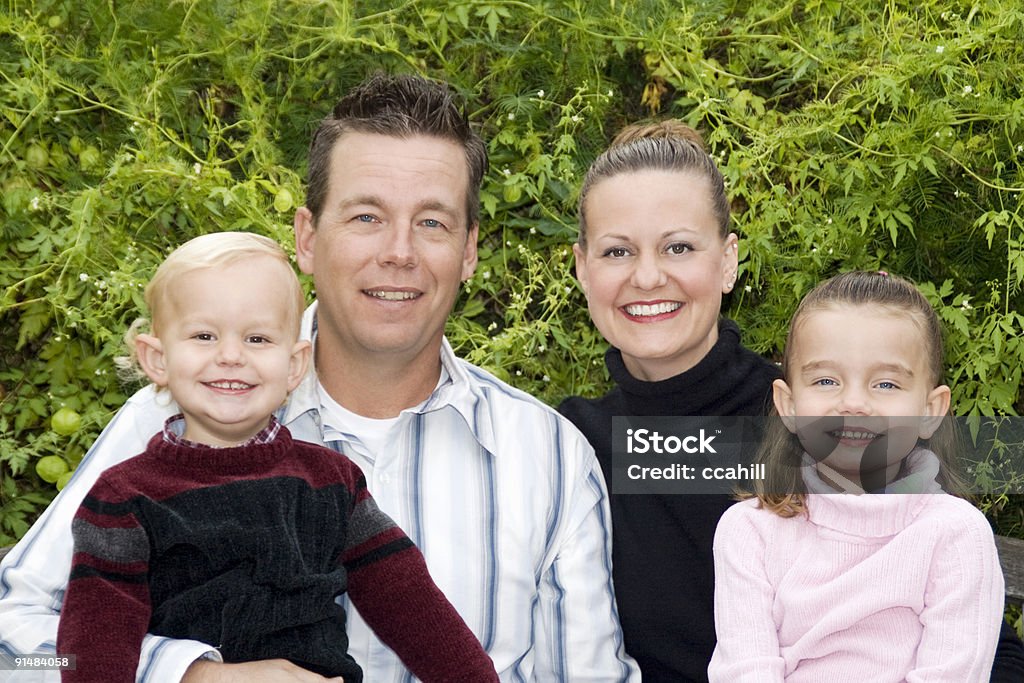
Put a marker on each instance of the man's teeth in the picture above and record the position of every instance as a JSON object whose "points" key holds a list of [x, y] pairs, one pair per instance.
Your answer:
{"points": [[856, 436], [233, 386], [392, 296], [655, 309]]}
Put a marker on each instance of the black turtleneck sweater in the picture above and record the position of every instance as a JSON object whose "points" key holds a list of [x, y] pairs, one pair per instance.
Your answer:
{"points": [[662, 563]]}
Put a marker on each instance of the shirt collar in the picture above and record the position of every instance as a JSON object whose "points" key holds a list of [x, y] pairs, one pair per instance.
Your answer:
{"points": [[174, 431], [458, 389]]}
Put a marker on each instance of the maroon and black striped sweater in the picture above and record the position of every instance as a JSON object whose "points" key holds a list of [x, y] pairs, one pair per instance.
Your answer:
{"points": [[246, 549]]}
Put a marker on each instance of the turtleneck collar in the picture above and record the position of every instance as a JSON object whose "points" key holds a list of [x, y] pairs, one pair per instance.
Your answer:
{"points": [[714, 386]]}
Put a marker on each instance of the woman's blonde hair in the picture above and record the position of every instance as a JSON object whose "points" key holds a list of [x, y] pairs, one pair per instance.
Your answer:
{"points": [[668, 145], [782, 490], [213, 250]]}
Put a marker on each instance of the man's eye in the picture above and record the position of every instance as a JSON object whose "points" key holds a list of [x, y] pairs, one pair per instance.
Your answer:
{"points": [[365, 218], [432, 223]]}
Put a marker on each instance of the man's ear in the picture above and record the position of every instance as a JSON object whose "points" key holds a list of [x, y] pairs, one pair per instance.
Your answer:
{"points": [[305, 239], [936, 406], [150, 352], [782, 396], [470, 255], [581, 267], [297, 364]]}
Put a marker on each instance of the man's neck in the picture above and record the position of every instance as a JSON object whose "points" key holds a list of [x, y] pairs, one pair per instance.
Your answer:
{"points": [[378, 387]]}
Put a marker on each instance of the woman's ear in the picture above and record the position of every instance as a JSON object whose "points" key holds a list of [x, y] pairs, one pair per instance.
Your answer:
{"points": [[299, 361], [150, 352], [581, 267], [782, 396], [936, 407], [730, 262]]}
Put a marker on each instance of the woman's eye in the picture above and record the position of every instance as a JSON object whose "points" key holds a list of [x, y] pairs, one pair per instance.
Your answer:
{"points": [[617, 252], [679, 248]]}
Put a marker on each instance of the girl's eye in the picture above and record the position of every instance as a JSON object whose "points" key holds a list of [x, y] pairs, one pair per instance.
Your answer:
{"points": [[679, 248], [616, 252], [888, 385], [826, 382]]}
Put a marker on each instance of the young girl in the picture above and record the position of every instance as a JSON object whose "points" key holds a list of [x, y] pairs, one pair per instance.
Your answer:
{"points": [[816, 587]]}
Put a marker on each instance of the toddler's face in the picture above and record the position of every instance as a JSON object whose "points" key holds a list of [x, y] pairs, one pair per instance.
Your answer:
{"points": [[227, 349], [859, 393]]}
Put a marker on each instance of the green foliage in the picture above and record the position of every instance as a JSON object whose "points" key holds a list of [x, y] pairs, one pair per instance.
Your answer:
{"points": [[878, 135]]}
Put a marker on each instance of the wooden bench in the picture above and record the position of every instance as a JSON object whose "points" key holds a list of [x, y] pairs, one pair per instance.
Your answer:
{"points": [[1011, 557]]}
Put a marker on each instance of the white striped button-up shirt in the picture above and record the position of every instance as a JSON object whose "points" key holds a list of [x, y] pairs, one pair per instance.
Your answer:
{"points": [[503, 496]]}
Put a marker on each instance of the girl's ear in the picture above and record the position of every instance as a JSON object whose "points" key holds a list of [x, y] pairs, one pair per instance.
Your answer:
{"points": [[936, 407], [581, 267], [782, 396], [298, 363], [150, 353]]}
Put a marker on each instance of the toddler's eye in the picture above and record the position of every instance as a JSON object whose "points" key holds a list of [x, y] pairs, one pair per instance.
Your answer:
{"points": [[203, 336], [256, 339]]}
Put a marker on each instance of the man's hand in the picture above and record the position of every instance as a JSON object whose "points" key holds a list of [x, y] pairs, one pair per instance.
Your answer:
{"points": [[264, 671]]}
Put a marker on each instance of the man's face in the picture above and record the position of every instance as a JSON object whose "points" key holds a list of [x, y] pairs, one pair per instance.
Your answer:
{"points": [[391, 247]]}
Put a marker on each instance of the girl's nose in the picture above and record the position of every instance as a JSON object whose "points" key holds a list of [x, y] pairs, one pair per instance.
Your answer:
{"points": [[854, 401]]}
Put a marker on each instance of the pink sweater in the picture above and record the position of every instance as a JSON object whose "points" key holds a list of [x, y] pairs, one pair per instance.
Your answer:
{"points": [[874, 588]]}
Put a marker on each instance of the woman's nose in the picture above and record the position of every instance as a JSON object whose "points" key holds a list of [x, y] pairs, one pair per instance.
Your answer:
{"points": [[648, 273]]}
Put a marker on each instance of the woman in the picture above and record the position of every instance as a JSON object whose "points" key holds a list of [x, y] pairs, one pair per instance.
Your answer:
{"points": [[654, 258]]}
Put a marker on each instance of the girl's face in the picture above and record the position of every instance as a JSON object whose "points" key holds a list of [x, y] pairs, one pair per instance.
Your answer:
{"points": [[858, 390], [655, 268]]}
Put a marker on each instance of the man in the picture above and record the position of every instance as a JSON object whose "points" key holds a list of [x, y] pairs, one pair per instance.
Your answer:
{"points": [[503, 496]]}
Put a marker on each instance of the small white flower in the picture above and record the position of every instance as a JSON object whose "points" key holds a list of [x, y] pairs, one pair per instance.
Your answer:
{"points": [[35, 203], [542, 348], [487, 275], [511, 116], [748, 289], [492, 327], [1020, 148], [610, 92], [568, 290], [576, 118], [57, 338], [546, 378], [814, 250], [519, 373], [84, 277], [533, 231], [506, 171], [197, 168], [829, 221], [56, 118], [540, 93], [956, 193], [508, 243], [939, 49], [968, 90]]}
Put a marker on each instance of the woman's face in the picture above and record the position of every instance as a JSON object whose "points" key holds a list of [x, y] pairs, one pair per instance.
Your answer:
{"points": [[655, 268]]}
